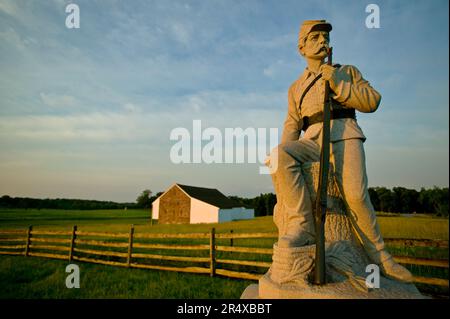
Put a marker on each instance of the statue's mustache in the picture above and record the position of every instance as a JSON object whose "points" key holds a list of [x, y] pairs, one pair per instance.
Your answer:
{"points": [[323, 47]]}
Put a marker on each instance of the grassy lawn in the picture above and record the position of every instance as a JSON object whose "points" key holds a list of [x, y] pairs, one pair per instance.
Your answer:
{"points": [[120, 221], [414, 227], [63, 219], [22, 277], [36, 278]]}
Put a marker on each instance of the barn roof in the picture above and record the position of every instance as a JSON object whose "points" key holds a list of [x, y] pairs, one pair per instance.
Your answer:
{"points": [[210, 195]]}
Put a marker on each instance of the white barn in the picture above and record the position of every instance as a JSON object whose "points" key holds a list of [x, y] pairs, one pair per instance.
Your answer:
{"points": [[189, 204]]}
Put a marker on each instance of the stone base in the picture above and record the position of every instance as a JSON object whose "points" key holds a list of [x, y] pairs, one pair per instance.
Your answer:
{"points": [[343, 290], [389, 289], [251, 292], [290, 276]]}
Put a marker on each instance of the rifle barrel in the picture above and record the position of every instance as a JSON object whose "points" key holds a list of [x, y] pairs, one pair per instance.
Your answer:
{"points": [[321, 197]]}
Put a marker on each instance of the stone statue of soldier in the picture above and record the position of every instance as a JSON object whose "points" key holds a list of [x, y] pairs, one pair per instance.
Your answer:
{"points": [[293, 213]]}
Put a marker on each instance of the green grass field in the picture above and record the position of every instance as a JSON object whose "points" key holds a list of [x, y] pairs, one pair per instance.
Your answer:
{"points": [[22, 277], [120, 221], [25, 278]]}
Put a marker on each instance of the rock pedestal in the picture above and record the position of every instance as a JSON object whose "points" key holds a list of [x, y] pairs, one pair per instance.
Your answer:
{"points": [[289, 276]]}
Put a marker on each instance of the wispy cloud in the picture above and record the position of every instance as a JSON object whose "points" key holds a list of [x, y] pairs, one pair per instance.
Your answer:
{"points": [[55, 100], [9, 7]]}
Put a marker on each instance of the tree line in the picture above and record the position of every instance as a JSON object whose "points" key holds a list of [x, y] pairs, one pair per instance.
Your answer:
{"points": [[433, 201], [403, 200], [60, 203]]}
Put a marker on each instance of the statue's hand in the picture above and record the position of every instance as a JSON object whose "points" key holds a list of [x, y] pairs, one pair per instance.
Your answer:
{"points": [[329, 74], [267, 160]]}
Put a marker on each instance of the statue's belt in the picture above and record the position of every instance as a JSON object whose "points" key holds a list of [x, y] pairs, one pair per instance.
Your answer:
{"points": [[335, 114]]}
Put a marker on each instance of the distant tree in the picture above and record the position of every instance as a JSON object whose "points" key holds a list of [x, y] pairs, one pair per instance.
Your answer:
{"points": [[387, 200], [152, 198], [270, 200], [236, 199], [434, 201], [144, 200], [374, 198], [442, 206], [406, 200], [259, 206], [263, 204], [244, 202]]}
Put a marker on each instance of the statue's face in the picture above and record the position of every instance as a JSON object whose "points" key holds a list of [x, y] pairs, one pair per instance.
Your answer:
{"points": [[316, 45]]}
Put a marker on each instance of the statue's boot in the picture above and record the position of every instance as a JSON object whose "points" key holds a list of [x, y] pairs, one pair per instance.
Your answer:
{"points": [[395, 271]]}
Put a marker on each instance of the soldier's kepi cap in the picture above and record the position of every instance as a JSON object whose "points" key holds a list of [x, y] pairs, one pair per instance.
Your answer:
{"points": [[309, 26]]}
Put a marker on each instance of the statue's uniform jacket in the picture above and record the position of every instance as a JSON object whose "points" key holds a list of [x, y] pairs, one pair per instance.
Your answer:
{"points": [[351, 91], [293, 212]]}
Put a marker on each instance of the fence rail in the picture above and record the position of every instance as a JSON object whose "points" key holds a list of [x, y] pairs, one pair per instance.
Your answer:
{"points": [[91, 246]]}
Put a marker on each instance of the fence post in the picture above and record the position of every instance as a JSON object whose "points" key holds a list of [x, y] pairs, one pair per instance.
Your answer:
{"points": [[72, 242], [212, 252], [231, 239], [27, 247], [130, 245]]}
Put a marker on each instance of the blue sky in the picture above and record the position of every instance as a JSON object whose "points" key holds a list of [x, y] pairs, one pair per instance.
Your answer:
{"points": [[87, 113]]}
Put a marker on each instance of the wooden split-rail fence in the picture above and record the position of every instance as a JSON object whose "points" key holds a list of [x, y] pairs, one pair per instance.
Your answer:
{"points": [[136, 248]]}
